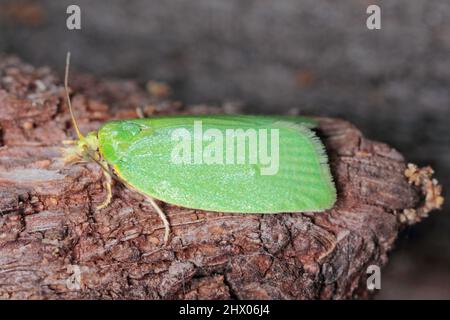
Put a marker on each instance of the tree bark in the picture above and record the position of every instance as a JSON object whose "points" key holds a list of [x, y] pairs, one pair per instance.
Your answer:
{"points": [[55, 245]]}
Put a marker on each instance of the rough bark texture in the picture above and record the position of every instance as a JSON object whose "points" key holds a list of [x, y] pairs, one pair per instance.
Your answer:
{"points": [[54, 244]]}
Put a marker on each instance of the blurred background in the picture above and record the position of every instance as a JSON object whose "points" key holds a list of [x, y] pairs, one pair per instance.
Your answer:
{"points": [[311, 57]]}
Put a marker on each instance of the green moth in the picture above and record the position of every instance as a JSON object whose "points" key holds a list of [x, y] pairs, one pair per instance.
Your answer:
{"points": [[225, 163]]}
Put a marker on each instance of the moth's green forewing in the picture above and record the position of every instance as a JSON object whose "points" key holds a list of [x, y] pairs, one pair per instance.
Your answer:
{"points": [[141, 151]]}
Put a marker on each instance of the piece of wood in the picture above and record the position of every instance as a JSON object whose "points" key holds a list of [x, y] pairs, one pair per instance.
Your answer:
{"points": [[53, 244]]}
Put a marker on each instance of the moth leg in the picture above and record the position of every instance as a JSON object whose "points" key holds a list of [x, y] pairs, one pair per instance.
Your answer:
{"points": [[140, 112], [107, 182], [163, 217], [69, 142]]}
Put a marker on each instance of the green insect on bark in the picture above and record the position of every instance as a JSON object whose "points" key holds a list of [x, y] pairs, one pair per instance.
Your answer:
{"points": [[226, 163]]}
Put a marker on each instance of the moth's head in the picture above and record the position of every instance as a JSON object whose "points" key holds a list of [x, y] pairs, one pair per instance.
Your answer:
{"points": [[83, 149]]}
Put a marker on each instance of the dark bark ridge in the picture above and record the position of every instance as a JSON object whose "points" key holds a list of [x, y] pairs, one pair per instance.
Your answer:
{"points": [[55, 245]]}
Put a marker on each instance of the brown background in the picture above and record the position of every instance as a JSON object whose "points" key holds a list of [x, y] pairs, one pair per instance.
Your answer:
{"points": [[313, 57]]}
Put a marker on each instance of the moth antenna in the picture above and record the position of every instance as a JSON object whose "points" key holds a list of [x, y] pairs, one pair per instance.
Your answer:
{"points": [[66, 88]]}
